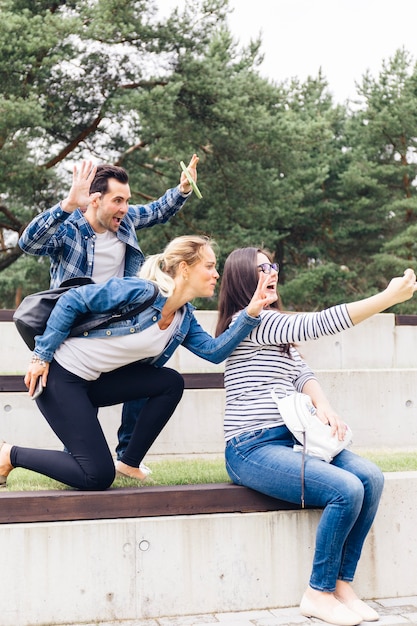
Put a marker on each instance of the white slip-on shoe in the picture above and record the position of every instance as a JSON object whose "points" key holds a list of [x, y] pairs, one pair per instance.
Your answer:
{"points": [[145, 469], [339, 614], [360, 607]]}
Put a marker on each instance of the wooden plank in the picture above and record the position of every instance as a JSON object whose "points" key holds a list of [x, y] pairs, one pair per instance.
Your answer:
{"points": [[12, 382], [210, 380], [6, 315], [135, 502], [406, 320]]}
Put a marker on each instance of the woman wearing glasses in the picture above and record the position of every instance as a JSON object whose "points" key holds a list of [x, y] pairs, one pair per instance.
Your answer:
{"points": [[259, 447]]}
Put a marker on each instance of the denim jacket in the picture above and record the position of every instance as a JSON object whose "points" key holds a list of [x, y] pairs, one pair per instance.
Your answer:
{"points": [[69, 240], [120, 294]]}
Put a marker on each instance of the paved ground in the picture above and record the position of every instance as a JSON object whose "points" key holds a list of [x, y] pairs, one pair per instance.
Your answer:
{"points": [[392, 611]]}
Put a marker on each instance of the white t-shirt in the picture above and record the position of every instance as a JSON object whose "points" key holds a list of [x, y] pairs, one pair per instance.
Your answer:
{"points": [[109, 257], [88, 357]]}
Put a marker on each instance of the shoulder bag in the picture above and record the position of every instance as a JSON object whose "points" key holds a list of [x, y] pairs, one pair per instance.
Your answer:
{"points": [[313, 437], [33, 312]]}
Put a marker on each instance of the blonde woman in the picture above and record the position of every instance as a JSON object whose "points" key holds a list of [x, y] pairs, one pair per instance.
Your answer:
{"points": [[123, 362]]}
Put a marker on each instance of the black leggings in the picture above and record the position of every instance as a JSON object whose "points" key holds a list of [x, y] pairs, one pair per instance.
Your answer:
{"points": [[70, 406]]}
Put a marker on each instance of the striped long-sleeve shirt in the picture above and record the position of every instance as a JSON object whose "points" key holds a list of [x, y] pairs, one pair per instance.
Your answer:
{"points": [[259, 363]]}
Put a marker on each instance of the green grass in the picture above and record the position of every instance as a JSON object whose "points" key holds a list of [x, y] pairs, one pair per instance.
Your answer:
{"points": [[197, 471], [393, 461], [181, 472]]}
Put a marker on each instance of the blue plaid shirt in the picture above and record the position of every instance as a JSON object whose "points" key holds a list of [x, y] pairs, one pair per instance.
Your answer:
{"points": [[68, 239]]}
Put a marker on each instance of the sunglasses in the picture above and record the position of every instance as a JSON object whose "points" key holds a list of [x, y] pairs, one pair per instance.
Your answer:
{"points": [[267, 268]]}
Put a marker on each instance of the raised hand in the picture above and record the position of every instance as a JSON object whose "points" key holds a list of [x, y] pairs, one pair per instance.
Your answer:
{"points": [[185, 186], [79, 195], [262, 297], [399, 289], [402, 288]]}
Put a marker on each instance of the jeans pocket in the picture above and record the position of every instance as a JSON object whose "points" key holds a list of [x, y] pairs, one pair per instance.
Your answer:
{"points": [[248, 438]]}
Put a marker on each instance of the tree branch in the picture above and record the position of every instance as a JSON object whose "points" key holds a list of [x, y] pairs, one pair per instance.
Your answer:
{"points": [[12, 222], [138, 146], [8, 257], [74, 143], [145, 83]]}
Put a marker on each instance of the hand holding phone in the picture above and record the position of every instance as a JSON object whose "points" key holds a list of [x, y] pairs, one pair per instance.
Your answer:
{"points": [[38, 388]]}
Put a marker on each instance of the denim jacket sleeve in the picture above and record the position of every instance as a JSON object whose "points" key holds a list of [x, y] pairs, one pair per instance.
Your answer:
{"points": [[110, 296], [216, 350]]}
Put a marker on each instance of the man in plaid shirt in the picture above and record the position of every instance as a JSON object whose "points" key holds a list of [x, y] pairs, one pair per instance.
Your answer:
{"points": [[71, 237], [92, 232]]}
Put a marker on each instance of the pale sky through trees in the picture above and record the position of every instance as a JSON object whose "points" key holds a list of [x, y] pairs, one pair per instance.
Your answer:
{"points": [[343, 37]]}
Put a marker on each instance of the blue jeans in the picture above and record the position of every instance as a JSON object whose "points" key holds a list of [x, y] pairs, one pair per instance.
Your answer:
{"points": [[348, 489]]}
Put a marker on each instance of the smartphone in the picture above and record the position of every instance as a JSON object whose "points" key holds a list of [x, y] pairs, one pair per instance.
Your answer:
{"points": [[38, 388]]}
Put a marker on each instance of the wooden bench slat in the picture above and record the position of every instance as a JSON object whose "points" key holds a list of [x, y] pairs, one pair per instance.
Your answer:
{"points": [[210, 380], [12, 382], [406, 320], [6, 315], [66, 505]]}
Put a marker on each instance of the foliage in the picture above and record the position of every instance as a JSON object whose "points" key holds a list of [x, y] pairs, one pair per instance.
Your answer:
{"points": [[318, 287], [329, 189]]}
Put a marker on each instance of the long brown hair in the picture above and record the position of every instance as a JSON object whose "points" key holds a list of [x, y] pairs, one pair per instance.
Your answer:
{"points": [[238, 284]]}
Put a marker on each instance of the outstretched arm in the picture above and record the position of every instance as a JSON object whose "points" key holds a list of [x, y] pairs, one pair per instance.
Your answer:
{"points": [[399, 289]]}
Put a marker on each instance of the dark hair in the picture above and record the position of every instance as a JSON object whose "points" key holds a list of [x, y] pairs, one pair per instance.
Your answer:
{"points": [[239, 281], [104, 172]]}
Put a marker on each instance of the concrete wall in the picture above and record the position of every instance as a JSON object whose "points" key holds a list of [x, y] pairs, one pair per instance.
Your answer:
{"points": [[369, 373], [99, 571], [127, 569]]}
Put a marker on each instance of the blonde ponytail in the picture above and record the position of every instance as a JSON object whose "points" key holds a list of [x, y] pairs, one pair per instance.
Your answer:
{"points": [[151, 270]]}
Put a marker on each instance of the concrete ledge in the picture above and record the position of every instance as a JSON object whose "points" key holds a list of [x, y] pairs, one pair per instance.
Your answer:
{"points": [[95, 571], [379, 405], [368, 372]]}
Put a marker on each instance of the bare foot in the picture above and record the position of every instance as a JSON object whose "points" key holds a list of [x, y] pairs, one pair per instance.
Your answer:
{"points": [[131, 472], [5, 464]]}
